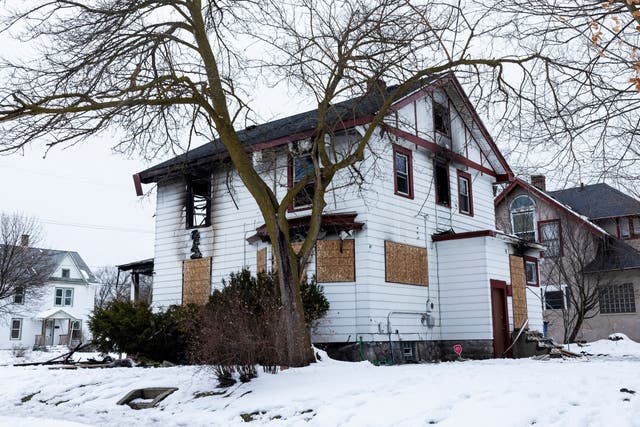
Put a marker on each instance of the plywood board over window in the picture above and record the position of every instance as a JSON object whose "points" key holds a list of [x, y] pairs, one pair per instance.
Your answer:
{"points": [[335, 261], [261, 260], [296, 246], [405, 264], [519, 298], [196, 281]]}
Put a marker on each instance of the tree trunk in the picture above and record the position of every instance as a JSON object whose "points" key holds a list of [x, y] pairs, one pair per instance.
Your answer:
{"points": [[576, 328], [297, 342]]}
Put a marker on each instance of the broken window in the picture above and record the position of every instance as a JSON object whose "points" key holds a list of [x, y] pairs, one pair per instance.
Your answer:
{"points": [[402, 171], [441, 121], [302, 168], [199, 203], [63, 297], [441, 175]]}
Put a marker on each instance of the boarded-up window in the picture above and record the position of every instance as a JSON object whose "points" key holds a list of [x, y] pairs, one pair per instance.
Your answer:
{"points": [[196, 281], [261, 260], [519, 299], [335, 261], [405, 264]]}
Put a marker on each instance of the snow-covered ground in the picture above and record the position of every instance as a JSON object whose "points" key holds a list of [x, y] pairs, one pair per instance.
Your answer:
{"points": [[576, 392]]}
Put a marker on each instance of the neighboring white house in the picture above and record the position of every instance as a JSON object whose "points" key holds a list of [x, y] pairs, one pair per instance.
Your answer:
{"points": [[409, 260], [59, 315]]}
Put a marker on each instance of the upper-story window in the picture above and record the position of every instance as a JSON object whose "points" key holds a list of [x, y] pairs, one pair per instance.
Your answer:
{"points": [[301, 167], [441, 120], [634, 224], [18, 295], [550, 233], [402, 170], [465, 197], [624, 228], [64, 297], [66, 273], [531, 271], [441, 178], [198, 203], [523, 212]]}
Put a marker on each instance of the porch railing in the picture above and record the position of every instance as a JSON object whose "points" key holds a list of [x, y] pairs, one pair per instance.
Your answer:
{"points": [[63, 340], [39, 340]]}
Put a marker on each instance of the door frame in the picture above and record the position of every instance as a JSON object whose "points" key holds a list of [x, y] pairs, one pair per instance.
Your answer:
{"points": [[502, 286]]}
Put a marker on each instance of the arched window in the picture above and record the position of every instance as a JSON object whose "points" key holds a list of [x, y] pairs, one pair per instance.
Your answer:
{"points": [[523, 217]]}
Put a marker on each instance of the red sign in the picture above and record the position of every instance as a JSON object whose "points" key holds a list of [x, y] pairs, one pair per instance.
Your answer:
{"points": [[458, 349]]}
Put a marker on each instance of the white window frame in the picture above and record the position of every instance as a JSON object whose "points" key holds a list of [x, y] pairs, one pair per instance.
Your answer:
{"points": [[11, 329], [63, 297], [20, 294], [554, 288], [535, 270], [531, 209], [68, 271]]}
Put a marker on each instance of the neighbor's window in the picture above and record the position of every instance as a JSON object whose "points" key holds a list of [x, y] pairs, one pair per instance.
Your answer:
{"points": [[441, 176], [301, 166], [16, 329], [198, 203], [441, 121], [465, 199], [551, 237], [522, 211], [18, 295], [402, 169], [531, 271], [554, 299], [624, 228], [66, 273], [635, 226], [617, 299], [64, 297]]}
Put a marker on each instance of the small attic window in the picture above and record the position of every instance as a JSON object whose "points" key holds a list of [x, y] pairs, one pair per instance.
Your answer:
{"points": [[198, 203], [441, 120], [66, 273]]}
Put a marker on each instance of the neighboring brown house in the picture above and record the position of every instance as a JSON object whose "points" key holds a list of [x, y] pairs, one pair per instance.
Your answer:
{"points": [[592, 237]]}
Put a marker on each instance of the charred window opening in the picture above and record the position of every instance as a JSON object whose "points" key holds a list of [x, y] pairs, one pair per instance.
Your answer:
{"points": [[443, 194], [199, 203], [441, 121], [302, 166]]}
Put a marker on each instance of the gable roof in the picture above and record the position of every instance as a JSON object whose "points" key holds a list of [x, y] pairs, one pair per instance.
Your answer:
{"points": [[343, 115], [598, 201], [48, 260], [581, 219]]}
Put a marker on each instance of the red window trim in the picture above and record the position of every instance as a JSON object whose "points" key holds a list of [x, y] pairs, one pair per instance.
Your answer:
{"points": [[633, 233], [406, 152], [535, 261], [467, 176], [436, 163], [559, 235], [291, 207]]}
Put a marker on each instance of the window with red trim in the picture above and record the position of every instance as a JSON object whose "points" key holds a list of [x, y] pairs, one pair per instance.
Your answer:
{"points": [[550, 234], [402, 171], [531, 271], [441, 178], [465, 194]]}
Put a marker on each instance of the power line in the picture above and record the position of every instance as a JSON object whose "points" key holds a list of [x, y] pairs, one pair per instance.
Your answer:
{"points": [[96, 227]]}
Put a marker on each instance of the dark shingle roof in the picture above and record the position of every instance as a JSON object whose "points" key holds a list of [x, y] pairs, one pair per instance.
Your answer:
{"points": [[46, 261], [613, 254], [352, 109], [598, 201]]}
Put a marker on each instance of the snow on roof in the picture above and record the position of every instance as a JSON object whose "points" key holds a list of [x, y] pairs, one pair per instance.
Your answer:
{"points": [[57, 313]]}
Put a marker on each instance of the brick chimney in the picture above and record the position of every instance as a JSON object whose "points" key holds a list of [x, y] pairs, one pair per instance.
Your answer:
{"points": [[539, 181], [24, 240]]}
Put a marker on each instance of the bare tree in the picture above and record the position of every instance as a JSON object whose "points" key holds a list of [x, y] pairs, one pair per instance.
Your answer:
{"points": [[114, 286], [573, 269], [166, 72], [24, 269]]}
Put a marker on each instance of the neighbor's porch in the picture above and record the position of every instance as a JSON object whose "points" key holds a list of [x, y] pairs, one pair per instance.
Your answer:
{"points": [[59, 327]]}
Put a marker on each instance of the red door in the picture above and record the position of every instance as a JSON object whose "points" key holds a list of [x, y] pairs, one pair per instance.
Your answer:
{"points": [[500, 317]]}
